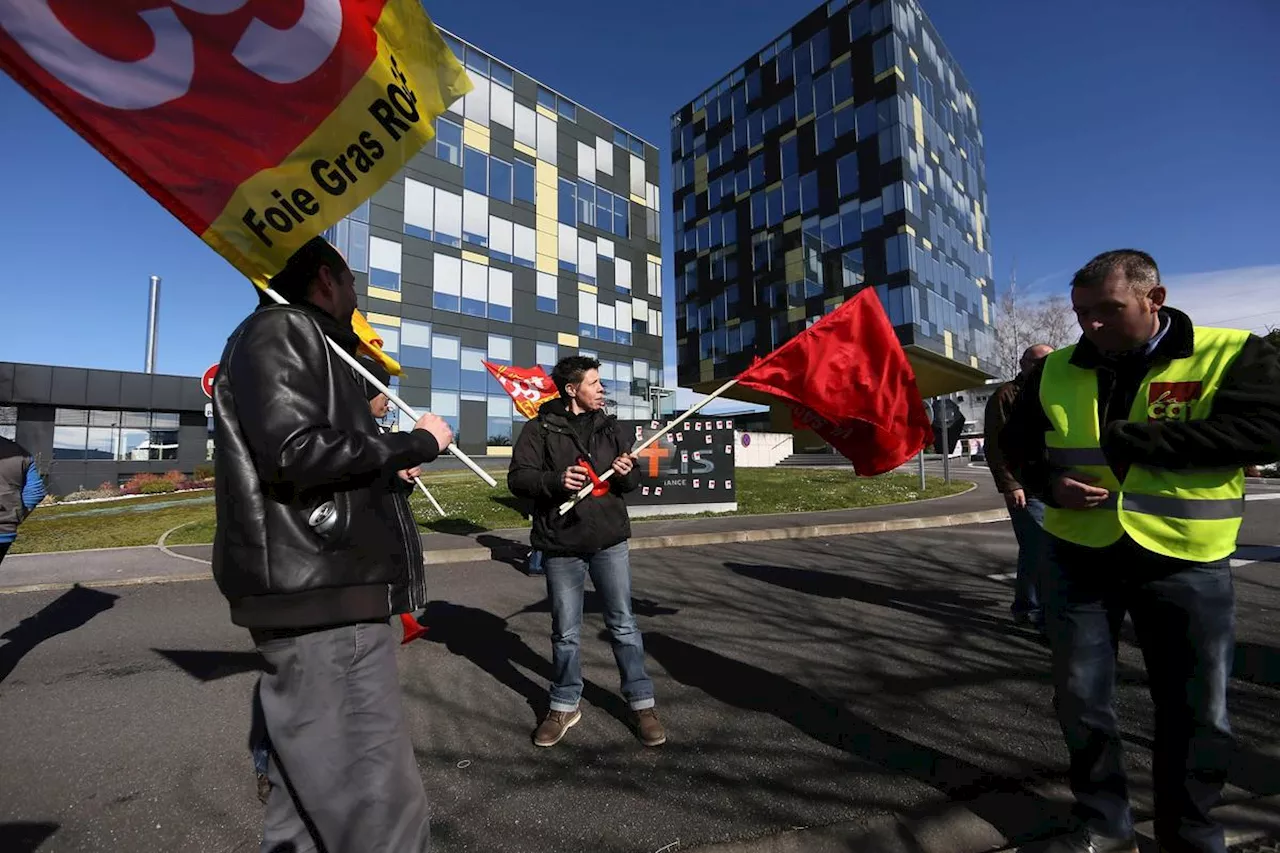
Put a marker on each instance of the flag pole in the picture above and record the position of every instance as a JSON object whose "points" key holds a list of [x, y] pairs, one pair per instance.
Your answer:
{"points": [[399, 404], [586, 490], [421, 485]]}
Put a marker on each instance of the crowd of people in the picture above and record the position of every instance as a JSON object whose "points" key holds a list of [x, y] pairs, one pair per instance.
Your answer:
{"points": [[1121, 458]]}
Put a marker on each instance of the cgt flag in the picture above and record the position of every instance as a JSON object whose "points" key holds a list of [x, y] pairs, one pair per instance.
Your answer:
{"points": [[258, 124], [848, 380], [529, 387]]}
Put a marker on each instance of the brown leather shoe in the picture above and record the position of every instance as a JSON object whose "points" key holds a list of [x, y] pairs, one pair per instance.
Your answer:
{"points": [[552, 729], [649, 727]]}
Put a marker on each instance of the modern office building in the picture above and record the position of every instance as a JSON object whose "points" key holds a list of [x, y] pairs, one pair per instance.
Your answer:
{"points": [[527, 230], [847, 153], [89, 427]]}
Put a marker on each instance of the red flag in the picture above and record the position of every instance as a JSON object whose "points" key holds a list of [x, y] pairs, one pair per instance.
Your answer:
{"points": [[529, 387], [258, 125], [847, 379]]}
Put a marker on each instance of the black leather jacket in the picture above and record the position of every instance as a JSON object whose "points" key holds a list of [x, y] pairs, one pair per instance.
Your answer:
{"points": [[548, 445], [293, 430]]}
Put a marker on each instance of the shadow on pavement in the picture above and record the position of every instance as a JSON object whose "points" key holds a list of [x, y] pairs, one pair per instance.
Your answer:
{"points": [[25, 836], [485, 639], [205, 665], [1004, 802], [69, 611], [1257, 663]]}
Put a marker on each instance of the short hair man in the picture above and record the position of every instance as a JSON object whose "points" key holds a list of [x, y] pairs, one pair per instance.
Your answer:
{"points": [[557, 453], [315, 548], [1139, 435], [1026, 511], [21, 490]]}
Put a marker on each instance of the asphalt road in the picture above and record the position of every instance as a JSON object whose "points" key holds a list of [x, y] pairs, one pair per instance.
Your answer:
{"points": [[803, 683]]}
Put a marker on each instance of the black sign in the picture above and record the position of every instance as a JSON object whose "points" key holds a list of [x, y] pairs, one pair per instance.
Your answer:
{"points": [[691, 465]]}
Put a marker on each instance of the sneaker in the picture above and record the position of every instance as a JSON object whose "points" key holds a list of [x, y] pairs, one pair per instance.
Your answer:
{"points": [[552, 729], [1087, 842], [264, 788], [649, 727]]}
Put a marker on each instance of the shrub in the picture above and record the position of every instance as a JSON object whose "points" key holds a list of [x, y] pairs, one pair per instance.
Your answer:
{"points": [[175, 477], [137, 481], [103, 491], [203, 472], [158, 486]]}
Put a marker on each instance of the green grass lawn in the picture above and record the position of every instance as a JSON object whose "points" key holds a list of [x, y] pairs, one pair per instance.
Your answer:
{"points": [[471, 507]]}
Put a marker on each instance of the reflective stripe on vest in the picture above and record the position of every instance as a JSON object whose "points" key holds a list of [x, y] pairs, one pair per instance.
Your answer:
{"points": [[1191, 514]]}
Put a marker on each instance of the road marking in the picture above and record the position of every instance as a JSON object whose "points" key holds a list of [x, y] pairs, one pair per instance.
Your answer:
{"points": [[1264, 496], [1007, 576]]}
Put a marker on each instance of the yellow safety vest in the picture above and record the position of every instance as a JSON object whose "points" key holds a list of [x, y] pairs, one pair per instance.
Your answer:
{"points": [[1191, 514]]}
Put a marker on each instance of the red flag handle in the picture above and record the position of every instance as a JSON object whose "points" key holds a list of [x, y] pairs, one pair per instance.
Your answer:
{"points": [[599, 488]]}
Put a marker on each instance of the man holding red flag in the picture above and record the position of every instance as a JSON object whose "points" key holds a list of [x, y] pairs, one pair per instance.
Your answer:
{"points": [[559, 452]]}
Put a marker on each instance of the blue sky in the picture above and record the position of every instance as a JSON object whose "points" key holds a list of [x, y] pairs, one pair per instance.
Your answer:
{"points": [[1148, 123]]}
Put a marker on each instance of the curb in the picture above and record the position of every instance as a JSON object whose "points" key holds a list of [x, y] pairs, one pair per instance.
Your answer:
{"points": [[727, 537]]}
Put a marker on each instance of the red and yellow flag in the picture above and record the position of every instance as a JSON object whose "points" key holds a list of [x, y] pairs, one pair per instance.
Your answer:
{"points": [[258, 124], [529, 387]]}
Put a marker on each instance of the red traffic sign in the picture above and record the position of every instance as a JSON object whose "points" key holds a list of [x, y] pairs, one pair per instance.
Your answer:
{"points": [[206, 381]]}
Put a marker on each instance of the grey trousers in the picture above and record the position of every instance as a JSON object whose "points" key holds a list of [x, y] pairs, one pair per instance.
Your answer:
{"points": [[343, 774]]}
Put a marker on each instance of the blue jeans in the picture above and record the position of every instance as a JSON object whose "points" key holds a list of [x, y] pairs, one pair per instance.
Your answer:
{"points": [[1184, 616], [610, 572], [1028, 527]]}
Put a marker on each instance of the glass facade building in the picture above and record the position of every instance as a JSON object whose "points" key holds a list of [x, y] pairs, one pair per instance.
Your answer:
{"points": [[845, 154], [525, 231]]}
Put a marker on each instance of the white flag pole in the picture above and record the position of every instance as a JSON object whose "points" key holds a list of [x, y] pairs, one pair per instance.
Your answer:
{"points": [[399, 404], [586, 490], [422, 486]]}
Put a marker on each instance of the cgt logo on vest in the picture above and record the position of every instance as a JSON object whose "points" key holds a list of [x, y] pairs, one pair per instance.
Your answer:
{"points": [[1172, 401]]}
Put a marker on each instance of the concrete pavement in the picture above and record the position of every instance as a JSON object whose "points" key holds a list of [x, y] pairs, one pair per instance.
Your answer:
{"points": [[831, 693]]}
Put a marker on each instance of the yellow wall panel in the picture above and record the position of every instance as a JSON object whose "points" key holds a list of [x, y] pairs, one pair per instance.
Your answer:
{"points": [[546, 174], [548, 243], [383, 319], [381, 293], [567, 340], [498, 450], [548, 263], [947, 342], [917, 109], [543, 111], [475, 258], [588, 288], [471, 136], [526, 149]]}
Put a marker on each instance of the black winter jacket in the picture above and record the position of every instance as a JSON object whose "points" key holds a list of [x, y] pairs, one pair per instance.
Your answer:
{"points": [[293, 430], [1243, 427], [547, 446]]}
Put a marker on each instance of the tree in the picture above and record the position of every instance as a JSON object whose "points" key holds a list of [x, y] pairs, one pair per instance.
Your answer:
{"points": [[1021, 322], [1273, 337]]}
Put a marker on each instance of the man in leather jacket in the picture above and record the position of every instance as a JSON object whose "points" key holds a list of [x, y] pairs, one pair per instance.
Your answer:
{"points": [[315, 549], [548, 465]]}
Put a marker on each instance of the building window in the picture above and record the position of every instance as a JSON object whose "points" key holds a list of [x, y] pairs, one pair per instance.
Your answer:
{"points": [[498, 423], [566, 201], [524, 188], [419, 209], [847, 174], [526, 126], [546, 146], [445, 404], [9, 422], [546, 98], [547, 293], [384, 263], [546, 355], [475, 218], [415, 344], [500, 294], [448, 218], [446, 372], [622, 275], [500, 239], [83, 434], [475, 288], [525, 246], [500, 179], [446, 283], [587, 314], [448, 141], [475, 170]]}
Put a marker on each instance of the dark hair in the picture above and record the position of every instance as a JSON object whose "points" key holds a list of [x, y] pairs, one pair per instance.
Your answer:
{"points": [[570, 370], [1139, 269], [303, 267], [379, 372]]}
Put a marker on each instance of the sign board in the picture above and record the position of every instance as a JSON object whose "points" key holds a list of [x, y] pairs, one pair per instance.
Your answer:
{"points": [[206, 381], [694, 465], [208, 410]]}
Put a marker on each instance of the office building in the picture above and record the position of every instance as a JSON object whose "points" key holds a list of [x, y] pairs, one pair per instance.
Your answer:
{"points": [[527, 230], [846, 153], [89, 427]]}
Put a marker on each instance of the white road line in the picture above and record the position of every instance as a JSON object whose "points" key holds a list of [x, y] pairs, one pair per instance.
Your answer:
{"points": [[1263, 496], [1248, 554], [1007, 576]]}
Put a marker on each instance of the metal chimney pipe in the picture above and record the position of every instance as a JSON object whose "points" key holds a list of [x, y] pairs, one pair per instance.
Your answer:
{"points": [[153, 320]]}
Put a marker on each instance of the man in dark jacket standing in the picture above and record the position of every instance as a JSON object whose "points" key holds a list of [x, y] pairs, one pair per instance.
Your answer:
{"points": [[315, 548], [569, 444], [1138, 436], [1026, 511]]}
